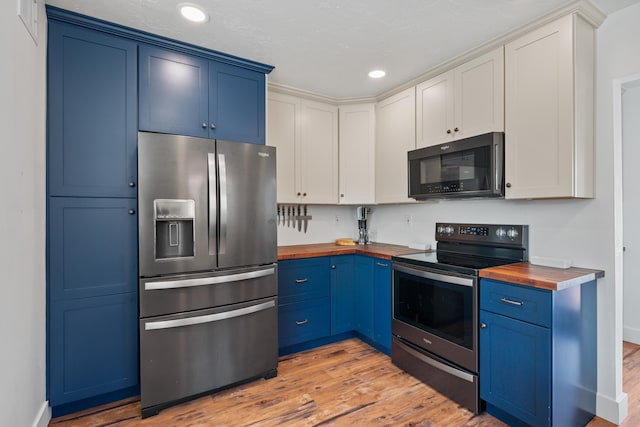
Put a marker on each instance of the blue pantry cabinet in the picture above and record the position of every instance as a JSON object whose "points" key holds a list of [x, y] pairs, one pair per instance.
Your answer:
{"points": [[538, 353], [343, 294], [364, 291], [210, 99], [93, 108], [382, 303]]}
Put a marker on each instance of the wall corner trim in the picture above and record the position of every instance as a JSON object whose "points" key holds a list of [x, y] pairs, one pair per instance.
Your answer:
{"points": [[43, 416]]}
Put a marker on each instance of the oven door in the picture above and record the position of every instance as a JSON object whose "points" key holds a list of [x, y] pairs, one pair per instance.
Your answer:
{"points": [[437, 311]]}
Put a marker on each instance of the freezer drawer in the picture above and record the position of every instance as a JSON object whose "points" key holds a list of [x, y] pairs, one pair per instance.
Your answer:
{"points": [[183, 355], [185, 292]]}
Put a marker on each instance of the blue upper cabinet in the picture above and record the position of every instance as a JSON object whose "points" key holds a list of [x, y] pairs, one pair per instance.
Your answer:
{"points": [[173, 92], [190, 95], [92, 113]]}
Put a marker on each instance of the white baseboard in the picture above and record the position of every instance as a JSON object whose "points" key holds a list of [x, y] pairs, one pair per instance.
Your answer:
{"points": [[612, 410], [44, 416], [631, 334]]}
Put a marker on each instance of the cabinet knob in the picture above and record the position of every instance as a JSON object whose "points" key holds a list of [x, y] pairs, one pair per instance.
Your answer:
{"points": [[132, 211], [213, 126], [341, 194], [204, 125], [304, 194], [483, 326], [456, 129], [508, 185], [132, 184], [333, 266], [448, 130], [298, 193]]}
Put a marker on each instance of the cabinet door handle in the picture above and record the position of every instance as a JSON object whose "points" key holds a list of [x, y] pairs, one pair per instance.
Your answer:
{"points": [[508, 185], [512, 302], [302, 322], [381, 264], [132, 184], [204, 125], [333, 266], [483, 326], [456, 129], [213, 126], [448, 130], [304, 194], [132, 211], [302, 280]]}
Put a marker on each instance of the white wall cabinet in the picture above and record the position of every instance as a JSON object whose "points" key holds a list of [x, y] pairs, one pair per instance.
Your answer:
{"points": [[549, 91], [357, 154], [395, 135], [463, 102], [305, 134]]}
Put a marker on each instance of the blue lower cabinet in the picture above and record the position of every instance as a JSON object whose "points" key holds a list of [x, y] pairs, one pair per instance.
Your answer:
{"points": [[382, 303], [538, 353], [303, 321], [93, 347]]}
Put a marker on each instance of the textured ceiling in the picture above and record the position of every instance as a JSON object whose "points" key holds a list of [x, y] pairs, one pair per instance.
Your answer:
{"points": [[328, 46]]}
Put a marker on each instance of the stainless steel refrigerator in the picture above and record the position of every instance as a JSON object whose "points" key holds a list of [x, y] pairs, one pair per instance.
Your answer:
{"points": [[208, 272]]}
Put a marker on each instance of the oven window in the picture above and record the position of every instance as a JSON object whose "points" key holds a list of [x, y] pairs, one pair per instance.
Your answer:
{"points": [[437, 307]]}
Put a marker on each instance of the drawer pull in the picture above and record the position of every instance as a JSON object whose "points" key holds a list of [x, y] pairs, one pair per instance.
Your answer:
{"points": [[508, 301], [302, 280], [302, 322], [381, 264]]}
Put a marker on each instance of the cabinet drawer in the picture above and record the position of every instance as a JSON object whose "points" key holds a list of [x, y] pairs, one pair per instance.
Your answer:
{"points": [[304, 321], [515, 301], [300, 280]]}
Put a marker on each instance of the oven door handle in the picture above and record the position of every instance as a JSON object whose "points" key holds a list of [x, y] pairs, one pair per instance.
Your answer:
{"points": [[438, 365], [435, 276]]}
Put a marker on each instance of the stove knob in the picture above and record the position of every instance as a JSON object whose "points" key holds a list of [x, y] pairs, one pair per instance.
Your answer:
{"points": [[500, 232], [449, 230], [512, 233], [441, 229]]}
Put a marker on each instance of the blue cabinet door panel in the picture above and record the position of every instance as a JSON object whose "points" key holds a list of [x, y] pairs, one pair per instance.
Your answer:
{"points": [[343, 296], [92, 116], [173, 92], [303, 279], [364, 291], [92, 247], [236, 103], [515, 367], [93, 347], [303, 321], [382, 302]]}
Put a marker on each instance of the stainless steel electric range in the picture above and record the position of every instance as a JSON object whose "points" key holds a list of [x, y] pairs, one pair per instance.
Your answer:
{"points": [[435, 304]]}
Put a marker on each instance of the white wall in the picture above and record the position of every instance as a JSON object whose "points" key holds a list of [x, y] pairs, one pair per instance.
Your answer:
{"points": [[22, 221], [323, 227], [631, 198]]}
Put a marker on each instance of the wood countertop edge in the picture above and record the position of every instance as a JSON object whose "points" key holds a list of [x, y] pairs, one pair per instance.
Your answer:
{"points": [[377, 250], [541, 277]]}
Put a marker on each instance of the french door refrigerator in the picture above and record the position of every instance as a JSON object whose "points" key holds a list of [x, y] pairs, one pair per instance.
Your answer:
{"points": [[208, 272]]}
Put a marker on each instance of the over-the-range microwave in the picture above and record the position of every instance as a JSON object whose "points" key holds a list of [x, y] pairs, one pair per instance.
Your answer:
{"points": [[470, 167]]}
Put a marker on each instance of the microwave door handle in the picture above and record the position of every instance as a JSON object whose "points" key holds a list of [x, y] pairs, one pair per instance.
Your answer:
{"points": [[222, 167], [496, 166], [211, 168]]}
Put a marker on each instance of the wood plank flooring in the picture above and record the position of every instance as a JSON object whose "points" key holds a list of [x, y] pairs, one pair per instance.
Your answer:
{"points": [[343, 384]]}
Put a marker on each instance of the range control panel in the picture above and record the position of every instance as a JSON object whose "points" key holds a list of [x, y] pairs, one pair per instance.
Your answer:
{"points": [[483, 234]]}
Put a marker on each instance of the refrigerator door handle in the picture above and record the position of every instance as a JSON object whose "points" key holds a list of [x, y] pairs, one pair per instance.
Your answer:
{"points": [[197, 320], [211, 169], [187, 283], [222, 167]]}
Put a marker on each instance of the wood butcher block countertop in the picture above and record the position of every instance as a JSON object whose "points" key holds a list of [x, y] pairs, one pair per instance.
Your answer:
{"points": [[378, 250], [537, 276]]}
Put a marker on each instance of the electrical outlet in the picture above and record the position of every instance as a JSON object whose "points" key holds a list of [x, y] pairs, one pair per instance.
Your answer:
{"points": [[408, 220], [337, 219]]}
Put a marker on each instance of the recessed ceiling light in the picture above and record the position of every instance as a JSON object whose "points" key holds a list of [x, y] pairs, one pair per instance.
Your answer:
{"points": [[193, 12], [376, 74]]}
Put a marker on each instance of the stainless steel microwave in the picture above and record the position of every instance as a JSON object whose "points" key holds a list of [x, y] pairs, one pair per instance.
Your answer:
{"points": [[470, 167]]}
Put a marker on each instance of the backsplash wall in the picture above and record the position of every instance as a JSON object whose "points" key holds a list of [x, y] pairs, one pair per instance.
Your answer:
{"points": [[328, 223]]}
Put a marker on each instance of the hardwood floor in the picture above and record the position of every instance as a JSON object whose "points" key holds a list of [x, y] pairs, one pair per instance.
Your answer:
{"points": [[342, 384]]}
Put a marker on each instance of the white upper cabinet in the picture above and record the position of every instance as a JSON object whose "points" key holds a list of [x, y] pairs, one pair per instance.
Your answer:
{"points": [[549, 90], [395, 136], [357, 154], [305, 134], [463, 102]]}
